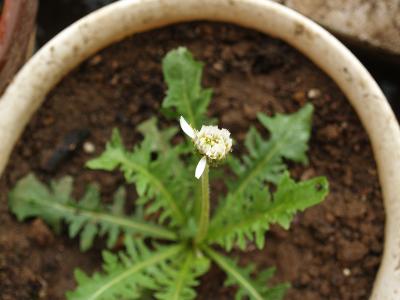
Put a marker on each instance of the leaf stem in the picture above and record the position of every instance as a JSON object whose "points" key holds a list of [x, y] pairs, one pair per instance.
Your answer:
{"points": [[179, 285], [204, 218], [229, 269], [168, 198], [138, 267], [98, 217]]}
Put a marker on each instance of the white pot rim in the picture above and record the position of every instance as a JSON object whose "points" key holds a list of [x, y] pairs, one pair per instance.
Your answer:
{"points": [[126, 17]]}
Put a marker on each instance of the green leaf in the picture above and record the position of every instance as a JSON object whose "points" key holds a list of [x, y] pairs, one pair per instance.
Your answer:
{"points": [[125, 275], [87, 217], [289, 136], [160, 139], [28, 188], [292, 197], [247, 220], [112, 156], [185, 95], [161, 183], [177, 280], [248, 286], [246, 212]]}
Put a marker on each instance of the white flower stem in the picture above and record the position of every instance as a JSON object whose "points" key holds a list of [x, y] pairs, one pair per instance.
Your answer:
{"points": [[204, 217]]}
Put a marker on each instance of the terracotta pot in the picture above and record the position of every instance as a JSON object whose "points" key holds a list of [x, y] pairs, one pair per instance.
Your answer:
{"points": [[124, 18], [17, 35]]}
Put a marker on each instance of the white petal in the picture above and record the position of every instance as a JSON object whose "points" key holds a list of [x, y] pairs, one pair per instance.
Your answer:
{"points": [[201, 166], [186, 128]]}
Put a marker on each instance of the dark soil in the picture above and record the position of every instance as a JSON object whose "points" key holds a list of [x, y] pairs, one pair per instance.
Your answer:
{"points": [[332, 251]]}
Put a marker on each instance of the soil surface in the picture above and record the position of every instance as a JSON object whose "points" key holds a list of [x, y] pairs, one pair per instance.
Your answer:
{"points": [[332, 251]]}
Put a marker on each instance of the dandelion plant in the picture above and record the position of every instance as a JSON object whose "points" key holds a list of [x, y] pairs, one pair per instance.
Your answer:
{"points": [[179, 227]]}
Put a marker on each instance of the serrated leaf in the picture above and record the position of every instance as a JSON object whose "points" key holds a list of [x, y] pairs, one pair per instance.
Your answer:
{"points": [[290, 132], [289, 136], [161, 183], [160, 139], [243, 215], [125, 275], [115, 153], [248, 220], [179, 279], [249, 287], [185, 95], [31, 188], [87, 217], [292, 197]]}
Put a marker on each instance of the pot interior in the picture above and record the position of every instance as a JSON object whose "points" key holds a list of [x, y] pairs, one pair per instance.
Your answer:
{"points": [[326, 253]]}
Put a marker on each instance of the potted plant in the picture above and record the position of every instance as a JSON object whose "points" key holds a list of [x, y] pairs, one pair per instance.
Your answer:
{"points": [[125, 18]]}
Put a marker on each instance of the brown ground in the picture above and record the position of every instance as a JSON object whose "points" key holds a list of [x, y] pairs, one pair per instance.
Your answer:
{"points": [[331, 252]]}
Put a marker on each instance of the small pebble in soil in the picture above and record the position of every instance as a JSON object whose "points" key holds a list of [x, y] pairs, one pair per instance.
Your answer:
{"points": [[95, 60], [313, 93], [219, 66], [89, 147], [251, 247], [351, 251], [40, 233], [114, 80], [330, 132], [308, 174], [346, 272], [299, 97], [330, 218]]}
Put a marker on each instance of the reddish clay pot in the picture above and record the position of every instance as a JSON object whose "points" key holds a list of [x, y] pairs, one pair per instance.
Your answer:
{"points": [[17, 31]]}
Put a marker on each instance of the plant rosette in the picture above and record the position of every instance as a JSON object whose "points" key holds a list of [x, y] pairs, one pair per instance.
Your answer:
{"points": [[40, 75], [174, 203]]}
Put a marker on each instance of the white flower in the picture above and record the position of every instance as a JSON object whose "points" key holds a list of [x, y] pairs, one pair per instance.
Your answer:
{"points": [[211, 142]]}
